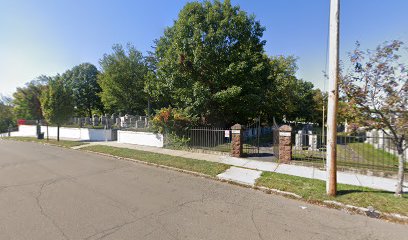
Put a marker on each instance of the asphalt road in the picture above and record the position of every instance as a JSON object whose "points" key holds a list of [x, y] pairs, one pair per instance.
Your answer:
{"points": [[54, 193]]}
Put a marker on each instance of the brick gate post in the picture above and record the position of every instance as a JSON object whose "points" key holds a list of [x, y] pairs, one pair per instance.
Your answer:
{"points": [[285, 144], [237, 141]]}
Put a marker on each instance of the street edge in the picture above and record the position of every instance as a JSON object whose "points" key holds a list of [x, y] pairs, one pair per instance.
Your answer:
{"points": [[390, 217]]}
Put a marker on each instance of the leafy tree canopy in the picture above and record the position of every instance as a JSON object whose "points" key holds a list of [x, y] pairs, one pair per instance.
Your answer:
{"points": [[82, 79], [27, 99], [286, 95], [211, 63], [378, 85], [7, 118], [122, 80], [57, 101]]}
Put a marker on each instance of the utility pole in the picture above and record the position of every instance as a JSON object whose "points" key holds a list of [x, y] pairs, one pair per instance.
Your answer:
{"points": [[323, 120], [331, 166]]}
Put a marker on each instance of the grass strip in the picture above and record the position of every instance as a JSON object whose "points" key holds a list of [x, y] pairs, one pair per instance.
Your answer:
{"points": [[61, 143], [314, 190], [200, 166], [371, 154]]}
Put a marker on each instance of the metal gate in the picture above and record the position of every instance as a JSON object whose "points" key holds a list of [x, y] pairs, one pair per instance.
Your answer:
{"points": [[261, 141]]}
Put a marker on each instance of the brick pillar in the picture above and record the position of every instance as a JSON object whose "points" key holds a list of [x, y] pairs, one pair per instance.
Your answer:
{"points": [[285, 144], [237, 141]]}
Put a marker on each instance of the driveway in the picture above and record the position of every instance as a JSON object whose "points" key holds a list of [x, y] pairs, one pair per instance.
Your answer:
{"points": [[53, 193]]}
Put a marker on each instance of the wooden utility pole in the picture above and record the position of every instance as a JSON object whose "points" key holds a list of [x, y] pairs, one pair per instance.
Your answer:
{"points": [[323, 120], [331, 168]]}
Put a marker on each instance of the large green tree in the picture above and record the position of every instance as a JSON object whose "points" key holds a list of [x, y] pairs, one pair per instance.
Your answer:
{"points": [[211, 63], [26, 100], [85, 88], [7, 118], [57, 102], [286, 95], [299, 101], [122, 80]]}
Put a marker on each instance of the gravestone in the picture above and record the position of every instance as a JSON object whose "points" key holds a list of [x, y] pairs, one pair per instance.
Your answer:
{"points": [[380, 143], [113, 119], [103, 120], [298, 140], [313, 142], [95, 120], [146, 122], [368, 137], [124, 121]]}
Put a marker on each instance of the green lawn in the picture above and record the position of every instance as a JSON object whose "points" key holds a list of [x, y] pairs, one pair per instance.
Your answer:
{"points": [[354, 155], [314, 191], [61, 143], [373, 155], [200, 166]]}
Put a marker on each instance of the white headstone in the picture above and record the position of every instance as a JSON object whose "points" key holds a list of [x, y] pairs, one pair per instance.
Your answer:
{"points": [[313, 142], [298, 140]]}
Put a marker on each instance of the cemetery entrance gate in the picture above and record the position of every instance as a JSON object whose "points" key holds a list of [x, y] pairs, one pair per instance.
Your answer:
{"points": [[261, 141]]}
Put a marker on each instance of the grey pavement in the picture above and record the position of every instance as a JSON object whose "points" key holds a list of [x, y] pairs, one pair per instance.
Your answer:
{"points": [[387, 184], [55, 193]]}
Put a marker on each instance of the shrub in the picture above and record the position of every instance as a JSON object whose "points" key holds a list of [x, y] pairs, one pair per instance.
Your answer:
{"points": [[172, 120]]}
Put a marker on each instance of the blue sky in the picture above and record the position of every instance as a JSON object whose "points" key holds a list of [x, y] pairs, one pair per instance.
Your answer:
{"points": [[50, 36]]}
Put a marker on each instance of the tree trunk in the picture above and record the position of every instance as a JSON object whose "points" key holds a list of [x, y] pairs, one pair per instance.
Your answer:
{"points": [[401, 167], [58, 128]]}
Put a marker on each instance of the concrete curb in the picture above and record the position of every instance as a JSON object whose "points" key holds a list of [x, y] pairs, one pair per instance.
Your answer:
{"points": [[151, 164], [279, 192], [392, 217], [370, 212]]}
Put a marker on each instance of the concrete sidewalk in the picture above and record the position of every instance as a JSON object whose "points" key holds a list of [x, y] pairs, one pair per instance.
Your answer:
{"points": [[387, 184]]}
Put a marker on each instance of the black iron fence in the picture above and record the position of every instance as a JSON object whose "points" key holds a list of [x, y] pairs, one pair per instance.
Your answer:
{"points": [[208, 138], [376, 154], [216, 139], [256, 140]]}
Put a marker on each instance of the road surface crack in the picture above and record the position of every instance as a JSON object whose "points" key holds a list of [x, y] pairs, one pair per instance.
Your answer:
{"points": [[114, 229], [255, 225], [43, 213]]}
